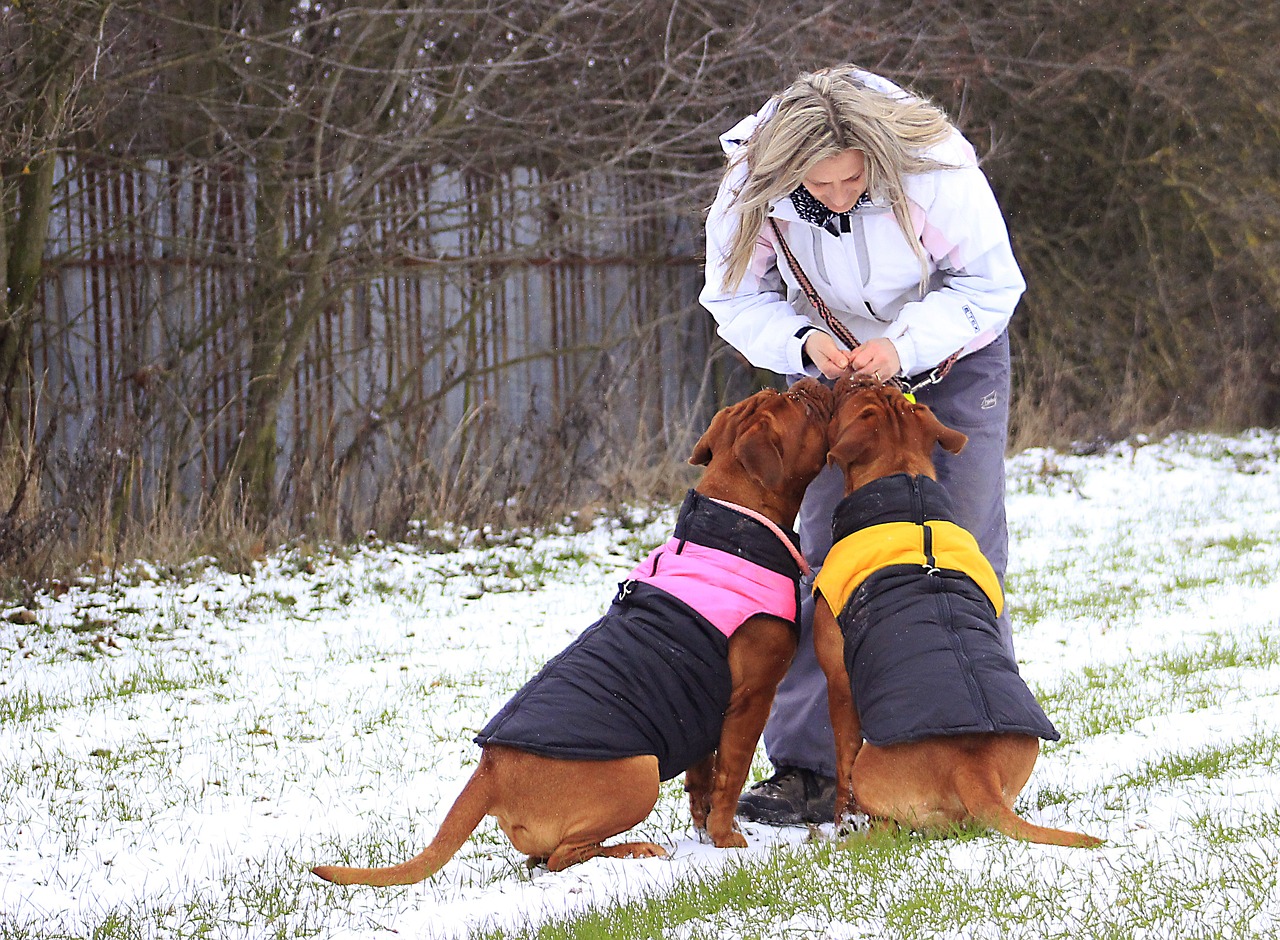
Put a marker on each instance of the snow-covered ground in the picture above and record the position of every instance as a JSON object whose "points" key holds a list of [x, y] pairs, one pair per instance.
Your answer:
{"points": [[177, 750]]}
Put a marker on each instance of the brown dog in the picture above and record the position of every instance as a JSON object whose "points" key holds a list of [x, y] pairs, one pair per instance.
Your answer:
{"points": [[913, 659], [560, 777]]}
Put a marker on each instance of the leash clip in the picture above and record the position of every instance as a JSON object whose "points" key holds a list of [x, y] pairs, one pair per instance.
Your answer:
{"points": [[936, 375], [908, 391]]}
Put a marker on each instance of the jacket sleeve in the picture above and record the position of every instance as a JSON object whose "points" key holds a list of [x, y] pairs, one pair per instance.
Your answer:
{"points": [[756, 318], [978, 282]]}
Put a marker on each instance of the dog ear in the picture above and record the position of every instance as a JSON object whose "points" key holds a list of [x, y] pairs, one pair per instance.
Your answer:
{"points": [[726, 426], [842, 453], [854, 429], [846, 448], [723, 428], [759, 450], [701, 455], [951, 439]]}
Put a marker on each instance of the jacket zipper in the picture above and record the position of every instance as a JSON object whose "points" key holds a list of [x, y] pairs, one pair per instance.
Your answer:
{"points": [[917, 514]]}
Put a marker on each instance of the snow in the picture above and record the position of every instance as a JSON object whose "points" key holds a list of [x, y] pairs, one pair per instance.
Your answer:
{"points": [[176, 751]]}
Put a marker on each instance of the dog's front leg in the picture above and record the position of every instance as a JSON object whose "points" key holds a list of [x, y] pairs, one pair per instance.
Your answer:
{"points": [[760, 652], [828, 643]]}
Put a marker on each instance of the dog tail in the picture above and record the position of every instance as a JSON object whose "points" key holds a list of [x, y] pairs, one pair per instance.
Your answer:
{"points": [[983, 799], [471, 806], [1002, 819]]}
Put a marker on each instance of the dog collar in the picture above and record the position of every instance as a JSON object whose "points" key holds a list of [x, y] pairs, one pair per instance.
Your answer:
{"points": [[773, 527]]}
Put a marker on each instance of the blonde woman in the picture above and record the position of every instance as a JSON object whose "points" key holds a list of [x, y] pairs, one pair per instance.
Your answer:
{"points": [[854, 232]]}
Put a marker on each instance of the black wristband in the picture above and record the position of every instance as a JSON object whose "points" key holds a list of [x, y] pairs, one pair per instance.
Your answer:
{"points": [[805, 359]]}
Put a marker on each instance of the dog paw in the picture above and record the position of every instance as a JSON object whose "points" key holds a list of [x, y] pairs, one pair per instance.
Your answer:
{"points": [[644, 850], [733, 840], [850, 823]]}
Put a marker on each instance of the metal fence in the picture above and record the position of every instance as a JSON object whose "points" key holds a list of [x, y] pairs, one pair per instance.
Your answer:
{"points": [[525, 299]]}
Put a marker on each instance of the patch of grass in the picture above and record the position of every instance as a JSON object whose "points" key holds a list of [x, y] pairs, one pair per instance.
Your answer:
{"points": [[1045, 796], [1259, 650], [1205, 763], [1264, 827], [266, 603], [803, 888], [1115, 578], [1112, 699], [682, 911], [907, 888], [1206, 894], [158, 676], [373, 722], [1237, 545], [1040, 471], [19, 706], [1096, 700]]}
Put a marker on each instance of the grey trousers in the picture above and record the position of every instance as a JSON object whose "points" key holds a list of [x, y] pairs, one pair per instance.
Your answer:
{"points": [[973, 398]]}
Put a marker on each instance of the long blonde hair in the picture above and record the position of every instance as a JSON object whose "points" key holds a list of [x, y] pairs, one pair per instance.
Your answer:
{"points": [[822, 114]]}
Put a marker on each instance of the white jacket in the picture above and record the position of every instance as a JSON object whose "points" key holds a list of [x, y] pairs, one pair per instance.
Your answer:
{"points": [[870, 277]]}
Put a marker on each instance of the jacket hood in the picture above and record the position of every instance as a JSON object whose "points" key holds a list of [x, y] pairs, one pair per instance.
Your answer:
{"points": [[735, 138]]}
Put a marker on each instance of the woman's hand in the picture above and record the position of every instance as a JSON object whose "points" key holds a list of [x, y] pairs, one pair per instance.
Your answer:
{"points": [[877, 358], [831, 360]]}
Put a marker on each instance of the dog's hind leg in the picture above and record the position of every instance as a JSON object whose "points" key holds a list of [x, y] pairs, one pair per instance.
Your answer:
{"points": [[606, 798], [563, 811], [697, 783], [568, 855]]}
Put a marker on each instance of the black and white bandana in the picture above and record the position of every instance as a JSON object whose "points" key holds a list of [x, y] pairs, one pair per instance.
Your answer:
{"points": [[812, 210]]}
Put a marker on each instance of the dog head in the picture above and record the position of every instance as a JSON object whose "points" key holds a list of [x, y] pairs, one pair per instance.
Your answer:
{"points": [[774, 441], [876, 431]]}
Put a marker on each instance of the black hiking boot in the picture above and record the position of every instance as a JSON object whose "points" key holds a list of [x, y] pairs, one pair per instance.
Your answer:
{"points": [[791, 797]]}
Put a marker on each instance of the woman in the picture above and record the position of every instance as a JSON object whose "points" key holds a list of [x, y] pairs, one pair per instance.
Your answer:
{"points": [[854, 231]]}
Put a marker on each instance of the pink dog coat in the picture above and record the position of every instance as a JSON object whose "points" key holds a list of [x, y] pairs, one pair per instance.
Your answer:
{"points": [[724, 588], [652, 676]]}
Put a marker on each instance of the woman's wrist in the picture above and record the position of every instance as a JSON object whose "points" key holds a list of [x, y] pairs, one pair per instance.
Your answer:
{"points": [[802, 334]]}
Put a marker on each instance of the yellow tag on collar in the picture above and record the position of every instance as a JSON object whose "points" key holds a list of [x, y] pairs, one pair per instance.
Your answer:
{"points": [[909, 397]]}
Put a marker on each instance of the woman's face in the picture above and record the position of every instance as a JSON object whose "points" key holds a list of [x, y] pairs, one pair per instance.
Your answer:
{"points": [[838, 182]]}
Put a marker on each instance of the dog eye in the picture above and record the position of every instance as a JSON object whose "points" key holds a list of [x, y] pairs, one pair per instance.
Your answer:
{"points": [[867, 413]]}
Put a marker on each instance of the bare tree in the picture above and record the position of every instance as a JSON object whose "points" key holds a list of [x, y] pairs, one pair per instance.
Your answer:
{"points": [[335, 99], [336, 151], [51, 53]]}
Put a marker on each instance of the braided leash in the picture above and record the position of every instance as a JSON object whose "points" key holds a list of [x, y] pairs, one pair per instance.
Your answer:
{"points": [[936, 375], [842, 333]]}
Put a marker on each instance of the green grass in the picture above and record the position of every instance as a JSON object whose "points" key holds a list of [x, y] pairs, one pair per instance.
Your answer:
{"points": [[908, 888], [1113, 699], [1261, 827], [1204, 763], [1193, 836], [160, 676]]}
